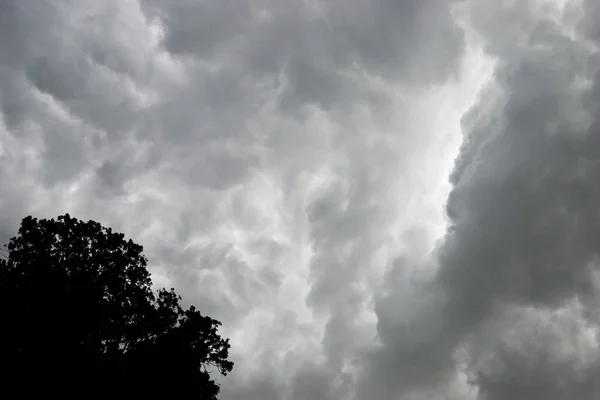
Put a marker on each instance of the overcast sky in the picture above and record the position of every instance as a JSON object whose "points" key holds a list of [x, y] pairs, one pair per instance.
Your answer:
{"points": [[380, 200]]}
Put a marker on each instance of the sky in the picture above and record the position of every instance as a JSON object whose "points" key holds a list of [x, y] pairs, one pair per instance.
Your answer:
{"points": [[380, 200]]}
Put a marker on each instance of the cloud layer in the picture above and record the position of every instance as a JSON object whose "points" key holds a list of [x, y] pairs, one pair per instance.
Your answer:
{"points": [[388, 199]]}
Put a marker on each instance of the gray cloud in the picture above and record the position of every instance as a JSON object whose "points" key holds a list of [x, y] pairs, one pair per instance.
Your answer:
{"points": [[523, 228], [248, 147], [285, 164]]}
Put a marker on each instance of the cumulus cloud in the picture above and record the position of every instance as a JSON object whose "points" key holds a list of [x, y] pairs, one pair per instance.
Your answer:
{"points": [[522, 239], [289, 167]]}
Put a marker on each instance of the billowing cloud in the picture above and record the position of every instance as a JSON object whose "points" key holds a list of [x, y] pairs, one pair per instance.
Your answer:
{"points": [[290, 168], [513, 302]]}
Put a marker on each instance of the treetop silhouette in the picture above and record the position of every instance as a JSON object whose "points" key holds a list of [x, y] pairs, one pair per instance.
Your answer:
{"points": [[79, 317]]}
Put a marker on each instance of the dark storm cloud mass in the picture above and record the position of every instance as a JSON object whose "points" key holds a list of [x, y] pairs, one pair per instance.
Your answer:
{"points": [[524, 208], [279, 161], [516, 296]]}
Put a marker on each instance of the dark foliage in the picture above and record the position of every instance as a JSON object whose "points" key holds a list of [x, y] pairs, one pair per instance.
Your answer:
{"points": [[79, 319]]}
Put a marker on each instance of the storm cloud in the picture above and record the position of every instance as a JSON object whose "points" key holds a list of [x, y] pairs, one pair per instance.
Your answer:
{"points": [[380, 200]]}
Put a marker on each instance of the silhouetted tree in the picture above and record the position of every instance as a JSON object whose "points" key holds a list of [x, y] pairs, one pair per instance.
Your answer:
{"points": [[79, 318]]}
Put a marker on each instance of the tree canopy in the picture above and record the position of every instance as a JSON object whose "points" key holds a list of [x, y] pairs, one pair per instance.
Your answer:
{"points": [[80, 318]]}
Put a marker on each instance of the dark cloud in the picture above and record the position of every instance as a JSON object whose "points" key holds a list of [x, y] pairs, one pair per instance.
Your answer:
{"points": [[523, 228], [283, 163]]}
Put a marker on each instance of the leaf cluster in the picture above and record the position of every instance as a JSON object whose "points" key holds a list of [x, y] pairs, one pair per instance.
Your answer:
{"points": [[79, 316]]}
